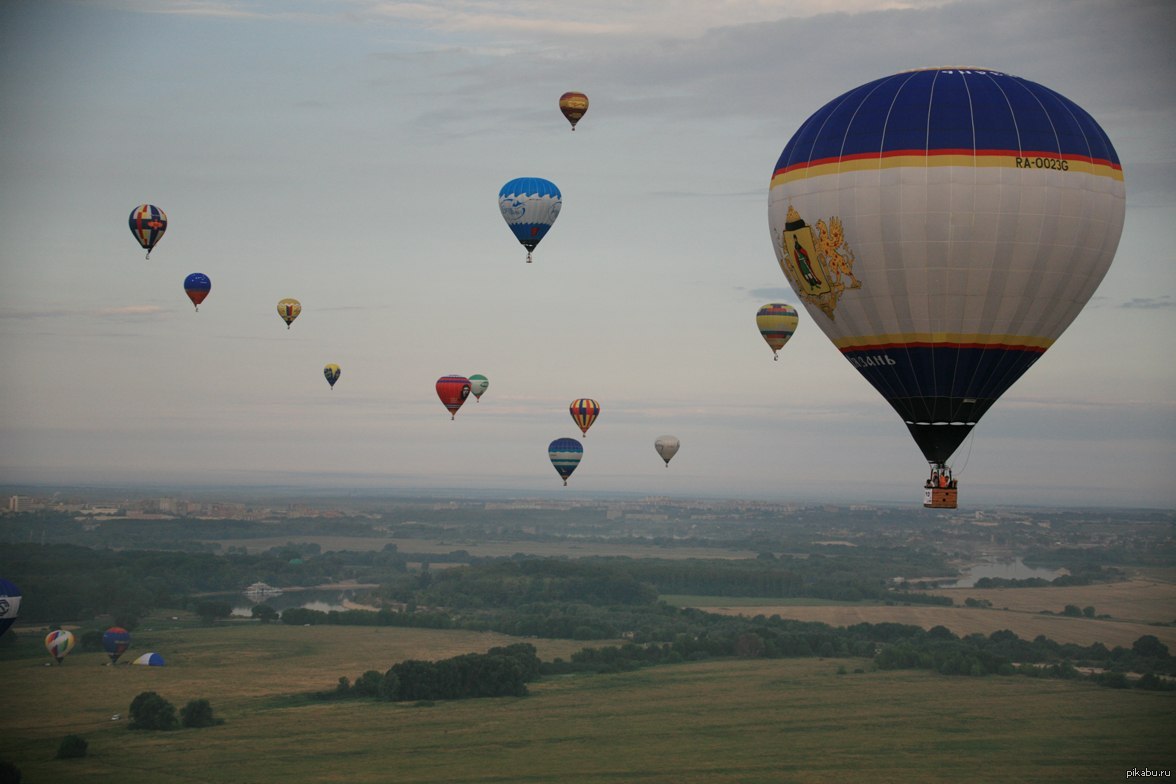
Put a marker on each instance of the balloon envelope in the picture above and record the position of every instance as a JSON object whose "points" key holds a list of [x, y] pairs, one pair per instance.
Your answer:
{"points": [[479, 384], [777, 323], [288, 309], [565, 454], [331, 373], [148, 223], [453, 391], [9, 604], [667, 447], [943, 227], [150, 660], [529, 205], [196, 286], [573, 106], [59, 643], [115, 641], [584, 412]]}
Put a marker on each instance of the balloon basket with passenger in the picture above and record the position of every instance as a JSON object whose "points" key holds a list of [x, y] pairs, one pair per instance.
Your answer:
{"points": [[939, 491]]}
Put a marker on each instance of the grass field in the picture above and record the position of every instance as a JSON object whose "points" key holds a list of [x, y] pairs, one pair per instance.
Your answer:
{"points": [[730, 721]]}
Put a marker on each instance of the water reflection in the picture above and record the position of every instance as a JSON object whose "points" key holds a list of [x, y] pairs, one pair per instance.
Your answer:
{"points": [[1005, 569]]}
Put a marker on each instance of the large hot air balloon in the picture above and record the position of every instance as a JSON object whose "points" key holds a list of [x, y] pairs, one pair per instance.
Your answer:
{"points": [[776, 322], [59, 643], [332, 372], [289, 309], [478, 385], [453, 391], [9, 604], [529, 205], [584, 412], [150, 660], [667, 447], [148, 223], [573, 106], [196, 286], [943, 227], [115, 642], [565, 454]]}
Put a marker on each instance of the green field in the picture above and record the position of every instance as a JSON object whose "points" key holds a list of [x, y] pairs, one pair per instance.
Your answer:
{"points": [[730, 721]]}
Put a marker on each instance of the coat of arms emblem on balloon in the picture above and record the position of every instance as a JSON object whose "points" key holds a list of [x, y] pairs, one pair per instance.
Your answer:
{"points": [[818, 265]]}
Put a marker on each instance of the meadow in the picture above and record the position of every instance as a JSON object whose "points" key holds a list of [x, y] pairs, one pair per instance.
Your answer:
{"points": [[806, 720]]}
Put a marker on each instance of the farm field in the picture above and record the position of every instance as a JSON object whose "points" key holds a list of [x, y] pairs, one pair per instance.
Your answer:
{"points": [[1135, 607], [728, 721]]}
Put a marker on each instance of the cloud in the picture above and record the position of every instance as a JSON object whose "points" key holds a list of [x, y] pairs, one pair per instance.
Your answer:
{"points": [[130, 310], [1150, 303], [773, 294]]}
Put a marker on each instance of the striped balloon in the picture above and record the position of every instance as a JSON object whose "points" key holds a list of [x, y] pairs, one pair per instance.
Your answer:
{"points": [[565, 454], [529, 205], [777, 323], [148, 223], [59, 643], [943, 227], [584, 412]]}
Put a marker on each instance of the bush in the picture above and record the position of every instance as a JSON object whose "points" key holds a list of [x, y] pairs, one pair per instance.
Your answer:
{"points": [[9, 773], [149, 711], [72, 747], [198, 713]]}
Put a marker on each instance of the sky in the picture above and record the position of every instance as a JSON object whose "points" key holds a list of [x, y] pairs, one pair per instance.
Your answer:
{"points": [[349, 154]]}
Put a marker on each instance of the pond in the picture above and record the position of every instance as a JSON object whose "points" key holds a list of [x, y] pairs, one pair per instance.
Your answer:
{"points": [[1003, 568]]}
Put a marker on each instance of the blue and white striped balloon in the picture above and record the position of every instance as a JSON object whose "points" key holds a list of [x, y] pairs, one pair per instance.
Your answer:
{"points": [[529, 205]]}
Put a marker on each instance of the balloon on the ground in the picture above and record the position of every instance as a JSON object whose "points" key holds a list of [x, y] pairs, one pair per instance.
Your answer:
{"points": [[196, 286], [529, 205], [453, 391], [667, 447], [573, 106], [148, 223], [943, 227], [565, 454], [115, 642], [9, 604], [59, 643], [150, 660], [331, 373], [288, 309], [478, 385], [584, 412], [777, 323]]}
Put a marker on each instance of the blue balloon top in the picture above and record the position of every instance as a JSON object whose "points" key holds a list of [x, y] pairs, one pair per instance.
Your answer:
{"points": [[197, 281], [529, 186], [948, 111], [565, 445]]}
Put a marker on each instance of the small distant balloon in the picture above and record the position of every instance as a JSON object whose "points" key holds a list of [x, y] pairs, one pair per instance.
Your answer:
{"points": [[115, 642], [529, 205], [196, 286], [148, 223], [777, 323], [453, 391], [565, 454], [584, 412], [667, 447], [573, 106], [478, 385], [9, 604], [59, 643], [332, 372], [289, 309]]}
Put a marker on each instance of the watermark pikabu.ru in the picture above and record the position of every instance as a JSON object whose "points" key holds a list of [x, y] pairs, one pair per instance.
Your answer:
{"points": [[1148, 772]]}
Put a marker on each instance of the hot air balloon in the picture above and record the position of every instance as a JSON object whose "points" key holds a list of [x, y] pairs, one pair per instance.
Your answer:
{"points": [[453, 391], [776, 323], [478, 385], [584, 413], [332, 372], [289, 309], [573, 106], [943, 227], [667, 447], [196, 286], [529, 205], [565, 454], [115, 641], [148, 223], [149, 660], [59, 643], [9, 604]]}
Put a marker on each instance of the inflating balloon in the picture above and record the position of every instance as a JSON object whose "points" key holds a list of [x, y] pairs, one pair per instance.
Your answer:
{"points": [[584, 412], [529, 205], [667, 447], [573, 106], [777, 323], [289, 309], [148, 223], [9, 604], [565, 454], [196, 286], [478, 385], [332, 372], [59, 643], [943, 227], [149, 660], [453, 391]]}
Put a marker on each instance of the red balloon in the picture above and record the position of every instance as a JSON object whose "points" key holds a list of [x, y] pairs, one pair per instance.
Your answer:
{"points": [[453, 391]]}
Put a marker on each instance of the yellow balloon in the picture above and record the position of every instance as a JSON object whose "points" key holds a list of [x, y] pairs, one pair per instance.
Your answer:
{"points": [[289, 309]]}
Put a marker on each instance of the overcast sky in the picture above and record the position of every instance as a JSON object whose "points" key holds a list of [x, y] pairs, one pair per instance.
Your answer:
{"points": [[349, 154]]}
